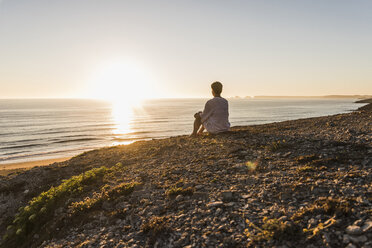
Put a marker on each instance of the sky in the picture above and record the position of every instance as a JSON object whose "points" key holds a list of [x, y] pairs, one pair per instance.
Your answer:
{"points": [[174, 48]]}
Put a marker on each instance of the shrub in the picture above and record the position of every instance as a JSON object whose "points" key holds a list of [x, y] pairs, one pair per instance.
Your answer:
{"points": [[122, 189], [329, 206], [155, 227], [274, 229], [41, 207], [105, 194]]}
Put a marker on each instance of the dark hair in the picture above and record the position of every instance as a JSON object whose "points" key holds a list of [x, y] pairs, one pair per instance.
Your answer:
{"points": [[217, 87]]}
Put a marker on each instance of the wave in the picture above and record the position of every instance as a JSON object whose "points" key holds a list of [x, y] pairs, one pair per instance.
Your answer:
{"points": [[75, 140], [64, 130], [48, 123], [20, 146], [40, 155]]}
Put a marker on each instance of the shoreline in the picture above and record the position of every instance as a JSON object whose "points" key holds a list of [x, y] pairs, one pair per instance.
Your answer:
{"points": [[8, 168], [301, 175]]}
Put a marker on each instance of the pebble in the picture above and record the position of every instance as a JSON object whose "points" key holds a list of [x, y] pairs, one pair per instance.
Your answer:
{"points": [[218, 211], [350, 245], [354, 230], [358, 239], [199, 187], [214, 204], [367, 226], [227, 196]]}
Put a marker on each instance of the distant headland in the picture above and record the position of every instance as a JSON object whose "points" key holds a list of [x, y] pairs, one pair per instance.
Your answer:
{"points": [[325, 96]]}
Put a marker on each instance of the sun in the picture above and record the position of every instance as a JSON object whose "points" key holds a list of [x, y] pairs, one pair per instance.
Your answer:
{"points": [[122, 83], [125, 85]]}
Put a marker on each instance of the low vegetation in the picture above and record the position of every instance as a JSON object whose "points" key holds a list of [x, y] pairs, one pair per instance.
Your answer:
{"points": [[273, 229], [155, 227], [329, 206], [278, 145], [41, 208], [106, 194], [175, 191]]}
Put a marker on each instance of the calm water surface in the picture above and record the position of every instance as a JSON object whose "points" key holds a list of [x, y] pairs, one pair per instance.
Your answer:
{"points": [[44, 129]]}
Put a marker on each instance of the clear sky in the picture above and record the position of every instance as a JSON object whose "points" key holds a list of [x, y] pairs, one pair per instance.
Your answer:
{"points": [[174, 48]]}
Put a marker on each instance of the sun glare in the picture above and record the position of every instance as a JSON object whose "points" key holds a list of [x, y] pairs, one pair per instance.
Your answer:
{"points": [[125, 85], [121, 82]]}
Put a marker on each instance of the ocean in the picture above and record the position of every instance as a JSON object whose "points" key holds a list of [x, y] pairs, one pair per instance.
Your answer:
{"points": [[32, 130]]}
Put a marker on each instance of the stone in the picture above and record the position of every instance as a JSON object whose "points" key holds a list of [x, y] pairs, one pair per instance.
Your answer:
{"points": [[214, 204], [199, 187], [358, 222], [354, 230], [359, 239], [327, 238], [350, 245], [199, 195], [227, 196], [218, 211], [179, 198], [367, 226], [106, 206], [346, 239]]}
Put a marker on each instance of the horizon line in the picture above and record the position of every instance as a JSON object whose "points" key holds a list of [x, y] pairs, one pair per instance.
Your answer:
{"points": [[233, 97]]}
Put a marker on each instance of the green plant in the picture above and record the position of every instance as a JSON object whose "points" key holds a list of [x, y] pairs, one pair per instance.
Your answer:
{"points": [[122, 189], [106, 194], [306, 158], [87, 203], [273, 229], [251, 165], [155, 226], [329, 206], [277, 145], [173, 192], [316, 230], [41, 207], [306, 168]]}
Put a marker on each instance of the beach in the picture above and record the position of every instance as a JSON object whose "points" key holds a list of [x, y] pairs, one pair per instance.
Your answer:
{"points": [[298, 183], [6, 169]]}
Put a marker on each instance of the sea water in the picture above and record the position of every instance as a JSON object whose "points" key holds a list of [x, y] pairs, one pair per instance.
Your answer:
{"points": [[37, 129]]}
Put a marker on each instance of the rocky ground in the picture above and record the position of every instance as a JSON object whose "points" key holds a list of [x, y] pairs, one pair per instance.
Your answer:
{"points": [[302, 183]]}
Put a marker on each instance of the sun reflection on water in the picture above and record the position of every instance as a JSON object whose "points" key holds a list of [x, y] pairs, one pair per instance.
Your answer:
{"points": [[123, 115]]}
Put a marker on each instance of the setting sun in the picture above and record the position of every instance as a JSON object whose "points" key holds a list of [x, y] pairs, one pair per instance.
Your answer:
{"points": [[125, 85], [121, 83]]}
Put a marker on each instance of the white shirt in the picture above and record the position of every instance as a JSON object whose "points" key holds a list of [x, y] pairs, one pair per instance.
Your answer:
{"points": [[215, 116]]}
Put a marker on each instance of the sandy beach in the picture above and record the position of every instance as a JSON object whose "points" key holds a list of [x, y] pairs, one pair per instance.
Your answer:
{"points": [[6, 169]]}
